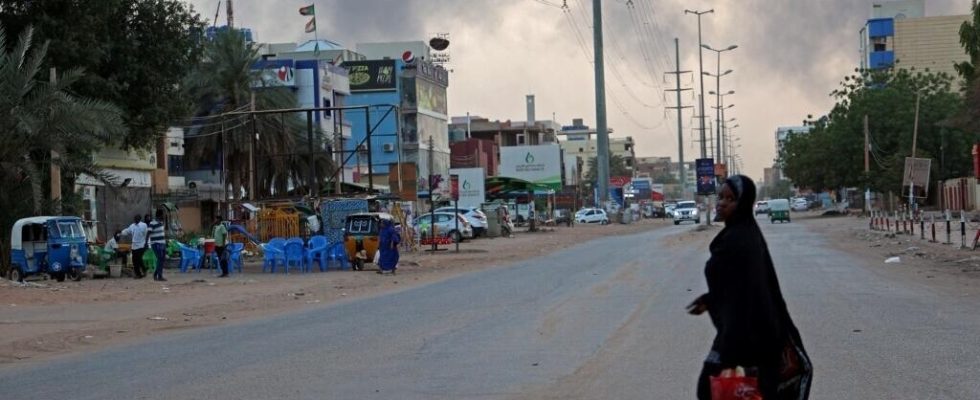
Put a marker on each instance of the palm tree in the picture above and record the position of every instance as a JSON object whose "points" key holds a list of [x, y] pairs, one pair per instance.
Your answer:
{"points": [[224, 83], [41, 119]]}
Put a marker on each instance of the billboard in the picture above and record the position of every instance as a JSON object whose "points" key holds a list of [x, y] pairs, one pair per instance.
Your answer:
{"points": [[472, 186], [705, 168], [539, 164], [370, 75], [917, 172]]}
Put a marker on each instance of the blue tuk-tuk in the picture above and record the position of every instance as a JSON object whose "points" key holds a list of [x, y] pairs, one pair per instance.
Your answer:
{"points": [[48, 245]]}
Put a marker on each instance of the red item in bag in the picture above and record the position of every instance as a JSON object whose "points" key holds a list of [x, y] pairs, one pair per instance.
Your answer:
{"points": [[735, 388]]}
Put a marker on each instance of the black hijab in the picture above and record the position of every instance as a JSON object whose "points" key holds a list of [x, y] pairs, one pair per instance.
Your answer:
{"points": [[744, 190]]}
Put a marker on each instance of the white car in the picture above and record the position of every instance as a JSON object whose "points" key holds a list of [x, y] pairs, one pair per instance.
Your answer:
{"points": [[445, 225], [476, 218], [686, 211], [801, 205], [591, 215]]}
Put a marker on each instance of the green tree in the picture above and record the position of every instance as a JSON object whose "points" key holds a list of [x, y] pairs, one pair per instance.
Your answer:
{"points": [[134, 52], [41, 117], [223, 83], [617, 167], [831, 155], [970, 40]]}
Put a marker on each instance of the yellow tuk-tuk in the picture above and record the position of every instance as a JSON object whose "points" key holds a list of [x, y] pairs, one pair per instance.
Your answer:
{"points": [[778, 210], [362, 236]]}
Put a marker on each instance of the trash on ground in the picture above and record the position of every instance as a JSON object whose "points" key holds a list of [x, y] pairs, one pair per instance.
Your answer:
{"points": [[893, 260]]}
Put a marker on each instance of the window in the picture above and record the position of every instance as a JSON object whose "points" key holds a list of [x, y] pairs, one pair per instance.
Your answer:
{"points": [[443, 218], [521, 139], [423, 219], [361, 225], [70, 230]]}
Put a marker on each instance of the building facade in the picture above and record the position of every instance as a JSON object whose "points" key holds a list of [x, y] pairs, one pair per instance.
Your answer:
{"points": [[578, 142], [900, 35]]}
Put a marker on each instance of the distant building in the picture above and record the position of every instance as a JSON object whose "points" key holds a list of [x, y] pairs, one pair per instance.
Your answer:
{"points": [[900, 35], [578, 141], [654, 167]]}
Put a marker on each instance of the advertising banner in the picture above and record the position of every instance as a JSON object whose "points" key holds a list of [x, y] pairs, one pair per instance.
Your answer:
{"points": [[371, 75], [705, 168], [472, 186], [539, 164]]}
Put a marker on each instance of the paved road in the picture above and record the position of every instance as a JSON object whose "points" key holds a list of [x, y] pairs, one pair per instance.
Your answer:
{"points": [[603, 320]]}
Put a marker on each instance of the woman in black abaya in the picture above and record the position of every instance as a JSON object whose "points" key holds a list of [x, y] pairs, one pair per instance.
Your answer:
{"points": [[754, 329]]}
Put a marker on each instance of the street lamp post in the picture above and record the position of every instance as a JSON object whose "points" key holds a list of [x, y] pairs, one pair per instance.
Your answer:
{"points": [[718, 138], [720, 111], [704, 149]]}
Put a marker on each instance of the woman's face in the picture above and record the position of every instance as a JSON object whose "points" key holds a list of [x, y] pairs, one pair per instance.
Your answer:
{"points": [[726, 203]]}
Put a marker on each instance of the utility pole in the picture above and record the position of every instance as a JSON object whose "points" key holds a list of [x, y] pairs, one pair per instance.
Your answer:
{"points": [[680, 123], [867, 166], [231, 14], [704, 150], [602, 133], [55, 169], [915, 136], [251, 154]]}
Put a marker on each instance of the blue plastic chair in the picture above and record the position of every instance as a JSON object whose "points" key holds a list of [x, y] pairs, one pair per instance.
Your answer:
{"points": [[338, 253], [295, 255], [189, 257], [235, 257], [272, 256], [317, 252]]}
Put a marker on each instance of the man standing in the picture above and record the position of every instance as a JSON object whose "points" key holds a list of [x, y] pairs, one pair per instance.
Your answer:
{"points": [[220, 235], [158, 242], [137, 231]]}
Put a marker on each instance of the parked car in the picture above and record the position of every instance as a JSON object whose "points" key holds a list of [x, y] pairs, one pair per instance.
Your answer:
{"points": [[669, 209], [762, 207], [801, 205], [445, 225], [687, 211], [592, 215], [475, 216]]}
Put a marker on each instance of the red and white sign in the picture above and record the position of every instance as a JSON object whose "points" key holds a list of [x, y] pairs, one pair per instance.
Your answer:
{"points": [[408, 57]]}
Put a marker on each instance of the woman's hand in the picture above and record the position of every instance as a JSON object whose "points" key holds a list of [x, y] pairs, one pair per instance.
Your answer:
{"points": [[698, 306]]}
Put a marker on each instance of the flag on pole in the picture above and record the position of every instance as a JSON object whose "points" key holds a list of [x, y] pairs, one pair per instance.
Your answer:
{"points": [[308, 10], [311, 26]]}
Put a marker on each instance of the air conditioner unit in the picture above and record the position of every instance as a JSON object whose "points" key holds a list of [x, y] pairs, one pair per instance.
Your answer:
{"points": [[388, 147]]}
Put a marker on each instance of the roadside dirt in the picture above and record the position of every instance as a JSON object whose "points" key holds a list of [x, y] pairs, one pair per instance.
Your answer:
{"points": [[42, 319], [936, 265]]}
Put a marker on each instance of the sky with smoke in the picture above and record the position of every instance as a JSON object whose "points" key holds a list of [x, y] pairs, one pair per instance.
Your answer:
{"points": [[791, 54]]}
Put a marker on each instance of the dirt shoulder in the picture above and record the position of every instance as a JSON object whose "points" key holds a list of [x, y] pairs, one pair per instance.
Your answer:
{"points": [[939, 266], [44, 319]]}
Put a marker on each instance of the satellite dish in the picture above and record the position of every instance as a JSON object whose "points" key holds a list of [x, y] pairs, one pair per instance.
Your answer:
{"points": [[438, 43]]}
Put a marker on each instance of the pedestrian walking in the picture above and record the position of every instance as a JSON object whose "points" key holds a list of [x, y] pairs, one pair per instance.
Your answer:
{"points": [[388, 246], [220, 235], [137, 231], [158, 243], [754, 328]]}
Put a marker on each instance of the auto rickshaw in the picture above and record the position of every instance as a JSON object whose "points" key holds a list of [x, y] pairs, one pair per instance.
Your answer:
{"points": [[48, 245], [362, 236], [778, 210]]}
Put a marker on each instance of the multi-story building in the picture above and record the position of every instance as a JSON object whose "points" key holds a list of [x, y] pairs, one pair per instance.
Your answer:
{"points": [[413, 138], [900, 35], [578, 142]]}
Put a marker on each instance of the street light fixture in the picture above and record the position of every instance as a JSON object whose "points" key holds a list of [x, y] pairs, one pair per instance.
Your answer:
{"points": [[698, 13], [715, 76], [718, 86]]}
